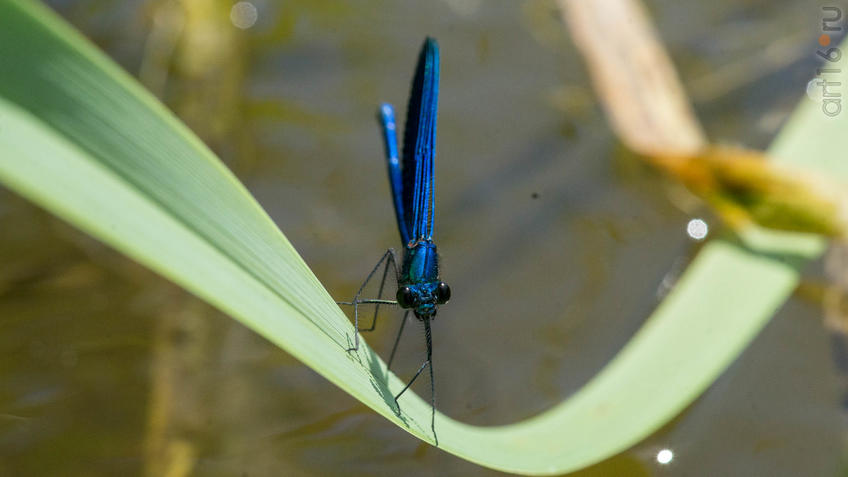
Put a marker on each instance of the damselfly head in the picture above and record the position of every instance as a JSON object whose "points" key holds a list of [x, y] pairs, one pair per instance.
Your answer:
{"points": [[423, 298]]}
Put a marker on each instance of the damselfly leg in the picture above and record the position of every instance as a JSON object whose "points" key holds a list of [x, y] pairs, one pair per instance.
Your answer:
{"points": [[428, 363], [389, 260], [397, 340]]}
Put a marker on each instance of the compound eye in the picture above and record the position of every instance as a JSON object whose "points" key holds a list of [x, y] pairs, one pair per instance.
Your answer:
{"points": [[404, 297], [443, 293]]}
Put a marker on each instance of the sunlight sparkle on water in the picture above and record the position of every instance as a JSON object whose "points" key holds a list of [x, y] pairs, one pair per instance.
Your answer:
{"points": [[814, 90], [665, 456], [244, 15], [697, 229]]}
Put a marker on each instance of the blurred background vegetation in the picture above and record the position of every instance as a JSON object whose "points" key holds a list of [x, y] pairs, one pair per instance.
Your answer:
{"points": [[109, 369]]}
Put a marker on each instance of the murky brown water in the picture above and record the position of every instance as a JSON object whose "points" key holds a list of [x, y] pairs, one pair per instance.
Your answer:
{"points": [[539, 216]]}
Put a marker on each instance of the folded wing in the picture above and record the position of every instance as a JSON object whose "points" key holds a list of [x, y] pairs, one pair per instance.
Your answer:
{"points": [[419, 145]]}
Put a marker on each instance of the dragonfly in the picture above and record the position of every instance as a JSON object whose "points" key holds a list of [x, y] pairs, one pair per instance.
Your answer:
{"points": [[411, 178]]}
